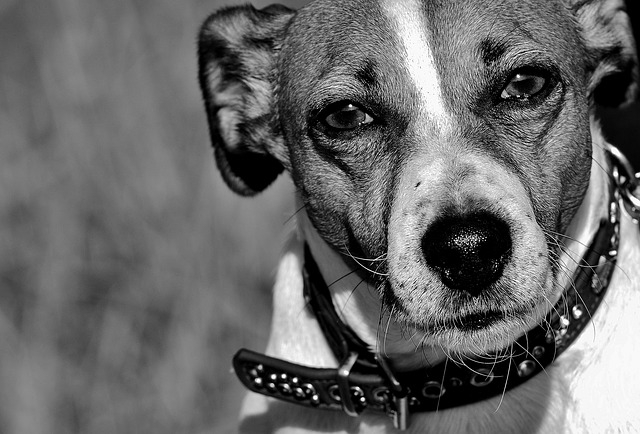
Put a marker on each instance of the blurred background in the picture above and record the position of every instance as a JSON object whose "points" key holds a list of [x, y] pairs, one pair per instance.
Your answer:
{"points": [[129, 274]]}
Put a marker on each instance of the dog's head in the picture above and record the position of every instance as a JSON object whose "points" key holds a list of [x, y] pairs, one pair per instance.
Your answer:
{"points": [[451, 139]]}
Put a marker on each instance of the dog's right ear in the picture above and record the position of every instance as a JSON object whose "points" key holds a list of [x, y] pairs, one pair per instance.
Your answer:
{"points": [[237, 56], [606, 30]]}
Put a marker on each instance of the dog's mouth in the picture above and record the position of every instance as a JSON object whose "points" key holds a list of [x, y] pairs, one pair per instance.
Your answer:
{"points": [[470, 324], [475, 321], [479, 332]]}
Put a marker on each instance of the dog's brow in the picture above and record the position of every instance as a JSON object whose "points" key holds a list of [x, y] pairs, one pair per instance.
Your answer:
{"points": [[491, 50], [367, 73]]}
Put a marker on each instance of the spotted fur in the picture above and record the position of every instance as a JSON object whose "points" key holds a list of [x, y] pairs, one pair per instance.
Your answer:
{"points": [[237, 51], [606, 30]]}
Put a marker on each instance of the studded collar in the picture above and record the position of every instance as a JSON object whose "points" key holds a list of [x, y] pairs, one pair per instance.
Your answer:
{"points": [[365, 382]]}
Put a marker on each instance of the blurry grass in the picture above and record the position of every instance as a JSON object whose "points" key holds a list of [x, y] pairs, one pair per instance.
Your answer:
{"points": [[128, 273]]}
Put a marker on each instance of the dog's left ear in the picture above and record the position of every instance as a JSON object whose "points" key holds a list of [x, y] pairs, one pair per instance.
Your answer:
{"points": [[606, 29], [237, 56]]}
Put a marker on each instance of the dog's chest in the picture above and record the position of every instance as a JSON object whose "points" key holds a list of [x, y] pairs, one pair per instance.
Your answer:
{"points": [[603, 390]]}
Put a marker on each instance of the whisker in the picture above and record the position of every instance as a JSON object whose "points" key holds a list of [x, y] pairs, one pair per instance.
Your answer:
{"points": [[386, 331], [532, 357], [364, 266], [344, 305], [581, 263], [504, 390], [382, 257], [293, 215], [380, 317], [342, 277], [444, 373]]}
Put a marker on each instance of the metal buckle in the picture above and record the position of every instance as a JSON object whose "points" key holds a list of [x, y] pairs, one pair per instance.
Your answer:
{"points": [[343, 384], [627, 182], [399, 411]]}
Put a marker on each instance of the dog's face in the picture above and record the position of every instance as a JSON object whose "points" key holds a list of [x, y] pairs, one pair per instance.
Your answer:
{"points": [[449, 142]]}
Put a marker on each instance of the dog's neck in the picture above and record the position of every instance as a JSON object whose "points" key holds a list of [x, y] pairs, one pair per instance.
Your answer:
{"points": [[358, 303], [594, 207]]}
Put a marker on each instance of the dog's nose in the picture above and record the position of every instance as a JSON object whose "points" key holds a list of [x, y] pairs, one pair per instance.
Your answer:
{"points": [[469, 252]]}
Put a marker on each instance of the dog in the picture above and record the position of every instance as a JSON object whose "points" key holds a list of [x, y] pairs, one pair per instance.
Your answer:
{"points": [[452, 180]]}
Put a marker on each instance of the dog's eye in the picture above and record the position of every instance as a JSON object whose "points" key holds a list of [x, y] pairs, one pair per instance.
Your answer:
{"points": [[524, 85], [347, 117]]}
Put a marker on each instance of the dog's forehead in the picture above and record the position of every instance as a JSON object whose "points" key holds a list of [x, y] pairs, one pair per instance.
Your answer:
{"points": [[430, 48], [332, 38]]}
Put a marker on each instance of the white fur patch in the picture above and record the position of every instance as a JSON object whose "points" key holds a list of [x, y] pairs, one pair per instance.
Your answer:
{"points": [[406, 17]]}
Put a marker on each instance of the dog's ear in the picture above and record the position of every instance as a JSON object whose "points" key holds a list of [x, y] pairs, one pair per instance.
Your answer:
{"points": [[606, 29], [237, 56]]}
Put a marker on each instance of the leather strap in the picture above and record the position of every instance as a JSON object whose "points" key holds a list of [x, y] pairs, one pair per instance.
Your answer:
{"points": [[340, 337]]}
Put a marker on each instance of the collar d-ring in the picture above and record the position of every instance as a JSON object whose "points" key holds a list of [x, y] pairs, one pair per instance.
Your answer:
{"points": [[627, 181]]}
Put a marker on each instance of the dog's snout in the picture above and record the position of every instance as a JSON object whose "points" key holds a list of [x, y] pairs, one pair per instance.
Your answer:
{"points": [[469, 252]]}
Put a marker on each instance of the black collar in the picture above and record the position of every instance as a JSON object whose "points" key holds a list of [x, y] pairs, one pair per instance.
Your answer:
{"points": [[364, 380]]}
